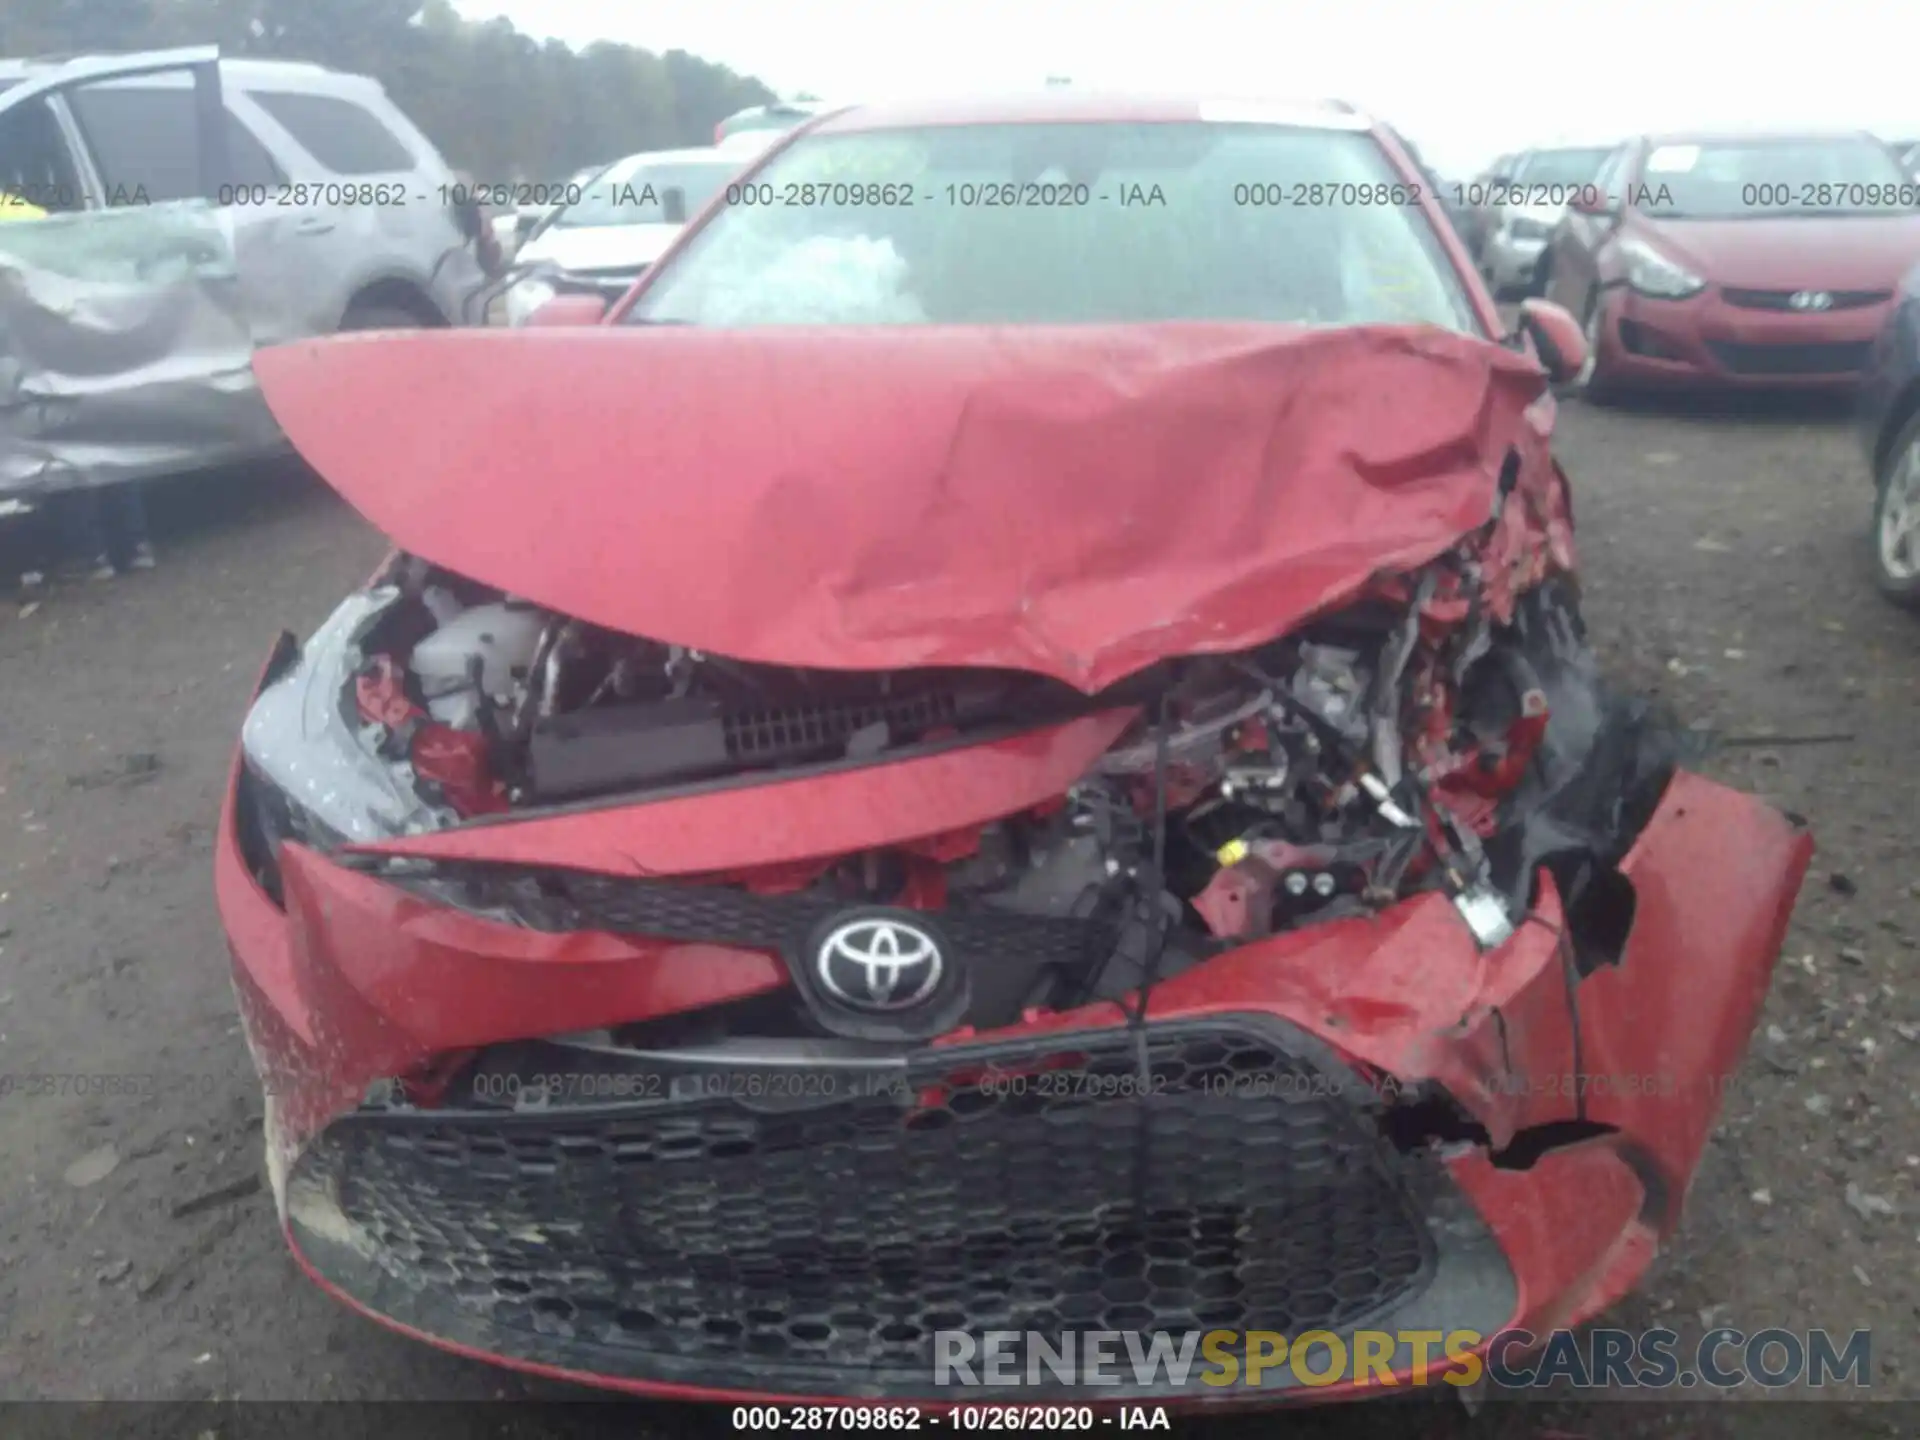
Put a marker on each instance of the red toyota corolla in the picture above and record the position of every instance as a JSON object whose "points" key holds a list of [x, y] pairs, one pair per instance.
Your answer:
{"points": [[1738, 261], [1007, 746]]}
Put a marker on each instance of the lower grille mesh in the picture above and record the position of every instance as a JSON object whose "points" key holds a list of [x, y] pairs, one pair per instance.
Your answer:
{"points": [[1840, 358], [1245, 1192]]}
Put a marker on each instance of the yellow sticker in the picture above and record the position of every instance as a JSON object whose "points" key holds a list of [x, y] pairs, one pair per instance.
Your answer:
{"points": [[1233, 852]]}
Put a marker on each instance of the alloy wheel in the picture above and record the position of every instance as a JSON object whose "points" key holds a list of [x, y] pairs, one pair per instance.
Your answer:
{"points": [[1900, 519]]}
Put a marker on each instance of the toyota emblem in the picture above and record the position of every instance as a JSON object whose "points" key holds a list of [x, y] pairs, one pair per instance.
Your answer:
{"points": [[878, 963], [1810, 300]]}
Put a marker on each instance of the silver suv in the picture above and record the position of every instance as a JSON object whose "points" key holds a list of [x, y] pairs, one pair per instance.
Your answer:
{"points": [[342, 214]]}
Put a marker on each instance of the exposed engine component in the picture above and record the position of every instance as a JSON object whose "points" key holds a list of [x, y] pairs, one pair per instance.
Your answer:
{"points": [[1328, 774], [475, 658]]}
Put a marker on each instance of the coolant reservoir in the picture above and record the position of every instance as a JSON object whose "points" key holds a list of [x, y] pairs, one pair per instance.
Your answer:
{"points": [[502, 636]]}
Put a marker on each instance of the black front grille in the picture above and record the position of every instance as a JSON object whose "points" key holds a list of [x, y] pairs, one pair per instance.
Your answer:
{"points": [[1026, 1187], [1836, 359], [777, 733], [1783, 299], [561, 901]]}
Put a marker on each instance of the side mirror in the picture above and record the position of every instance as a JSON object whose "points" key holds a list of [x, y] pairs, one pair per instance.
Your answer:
{"points": [[587, 310], [1557, 336], [673, 205], [1591, 200]]}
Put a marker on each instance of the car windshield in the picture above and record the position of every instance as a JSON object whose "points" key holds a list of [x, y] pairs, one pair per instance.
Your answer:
{"points": [[1064, 224], [1561, 167], [1768, 179], [634, 192]]}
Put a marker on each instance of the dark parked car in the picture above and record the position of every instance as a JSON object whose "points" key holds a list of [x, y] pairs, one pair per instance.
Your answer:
{"points": [[963, 765], [1480, 199], [1736, 260], [1890, 416]]}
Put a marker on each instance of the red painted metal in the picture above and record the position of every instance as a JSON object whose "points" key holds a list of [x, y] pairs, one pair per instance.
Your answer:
{"points": [[1077, 501], [358, 980]]}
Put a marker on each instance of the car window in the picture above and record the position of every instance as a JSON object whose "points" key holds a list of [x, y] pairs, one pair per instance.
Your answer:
{"points": [[144, 140], [1062, 224], [634, 192], [1560, 167], [1609, 179], [1770, 179], [36, 164], [346, 138], [249, 160]]}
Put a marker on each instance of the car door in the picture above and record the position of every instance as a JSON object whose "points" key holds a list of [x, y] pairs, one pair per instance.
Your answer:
{"points": [[377, 196], [141, 131], [160, 359], [34, 111], [1578, 240]]}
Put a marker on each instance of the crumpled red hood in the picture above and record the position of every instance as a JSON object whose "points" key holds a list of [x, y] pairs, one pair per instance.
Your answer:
{"points": [[1077, 501]]}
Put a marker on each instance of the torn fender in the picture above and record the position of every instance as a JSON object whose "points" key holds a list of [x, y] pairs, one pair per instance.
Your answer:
{"points": [[1661, 1033], [1075, 501], [375, 981]]}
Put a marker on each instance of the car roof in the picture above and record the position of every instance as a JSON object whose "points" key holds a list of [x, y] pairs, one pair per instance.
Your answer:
{"points": [[235, 74], [1740, 137], [231, 68], [1065, 104]]}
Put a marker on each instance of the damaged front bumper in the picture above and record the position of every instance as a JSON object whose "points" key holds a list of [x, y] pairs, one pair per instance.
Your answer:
{"points": [[1368, 1123]]}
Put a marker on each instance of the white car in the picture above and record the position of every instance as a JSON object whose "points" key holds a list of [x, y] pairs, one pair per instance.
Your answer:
{"points": [[1530, 204], [624, 220], [342, 214]]}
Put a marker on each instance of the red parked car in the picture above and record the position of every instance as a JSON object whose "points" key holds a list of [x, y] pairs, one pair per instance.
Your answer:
{"points": [[1736, 260], [1006, 745]]}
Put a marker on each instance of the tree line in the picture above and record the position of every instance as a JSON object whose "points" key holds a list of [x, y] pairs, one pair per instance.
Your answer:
{"points": [[498, 103]]}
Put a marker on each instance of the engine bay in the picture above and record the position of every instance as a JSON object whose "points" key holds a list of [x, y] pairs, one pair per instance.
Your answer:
{"points": [[1407, 743]]}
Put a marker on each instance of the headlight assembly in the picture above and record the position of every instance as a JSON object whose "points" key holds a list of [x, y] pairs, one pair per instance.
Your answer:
{"points": [[1652, 273], [526, 297]]}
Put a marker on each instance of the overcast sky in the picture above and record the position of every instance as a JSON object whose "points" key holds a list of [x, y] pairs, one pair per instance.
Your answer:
{"points": [[1464, 79]]}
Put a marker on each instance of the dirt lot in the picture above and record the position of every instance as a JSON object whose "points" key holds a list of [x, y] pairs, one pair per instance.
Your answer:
{"points": [[1725, 566]]}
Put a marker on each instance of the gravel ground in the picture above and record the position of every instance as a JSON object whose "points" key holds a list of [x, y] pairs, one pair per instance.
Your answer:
{"points": [[1725, 567]]}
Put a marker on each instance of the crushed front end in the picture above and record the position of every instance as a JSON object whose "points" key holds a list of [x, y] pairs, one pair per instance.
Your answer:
{"points": [[643, 1015], [1247, 910]]}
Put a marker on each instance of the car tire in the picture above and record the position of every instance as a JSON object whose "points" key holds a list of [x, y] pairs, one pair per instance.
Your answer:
{"points": [[1593, 384], [1896, 519], [379, 317]]}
